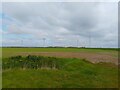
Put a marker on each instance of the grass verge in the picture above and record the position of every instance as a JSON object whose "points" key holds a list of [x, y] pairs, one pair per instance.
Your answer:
{"points": [[72, 73]]}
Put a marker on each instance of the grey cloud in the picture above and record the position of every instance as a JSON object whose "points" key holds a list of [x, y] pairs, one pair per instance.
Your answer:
{"points": [[65, 20]]}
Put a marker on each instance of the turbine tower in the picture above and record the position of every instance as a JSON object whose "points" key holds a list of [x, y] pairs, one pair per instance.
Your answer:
{"points": [[90, 39], [77, 43], [21, 43], [44, 40]]}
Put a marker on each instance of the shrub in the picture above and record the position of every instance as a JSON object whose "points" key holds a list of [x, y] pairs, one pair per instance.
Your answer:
{"points": [[32, 62], [16, 58]]}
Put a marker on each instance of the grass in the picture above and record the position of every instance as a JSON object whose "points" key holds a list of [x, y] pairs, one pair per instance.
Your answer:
{"points": [[72, 72], [7, 52]]}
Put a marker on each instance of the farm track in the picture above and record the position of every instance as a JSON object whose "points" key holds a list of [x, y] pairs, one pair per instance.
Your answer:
{"points": [[92, 57]]}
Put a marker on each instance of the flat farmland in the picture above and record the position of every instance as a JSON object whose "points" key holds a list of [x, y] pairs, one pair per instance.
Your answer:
{"points": [[60, 68], [92, 55]]}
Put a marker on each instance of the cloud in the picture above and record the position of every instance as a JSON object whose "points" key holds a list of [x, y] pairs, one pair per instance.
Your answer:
{"points": [[64, 22]]}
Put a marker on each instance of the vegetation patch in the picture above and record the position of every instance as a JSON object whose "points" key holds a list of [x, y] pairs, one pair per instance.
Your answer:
{"points": [[33, 71], [31, 62]]}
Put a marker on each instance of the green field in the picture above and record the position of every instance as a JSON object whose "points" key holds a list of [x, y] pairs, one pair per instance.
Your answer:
{"points": [[15, 51], [72, 72]]}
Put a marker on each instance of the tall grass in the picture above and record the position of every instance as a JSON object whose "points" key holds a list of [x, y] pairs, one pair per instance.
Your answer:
{"points": [[31, 62]]}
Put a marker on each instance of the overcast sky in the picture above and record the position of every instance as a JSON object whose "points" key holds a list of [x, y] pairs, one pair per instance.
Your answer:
{"points": [[80, 24]]}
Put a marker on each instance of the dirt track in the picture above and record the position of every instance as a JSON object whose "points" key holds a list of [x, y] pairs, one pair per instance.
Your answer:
{"points": [[92, 57]]}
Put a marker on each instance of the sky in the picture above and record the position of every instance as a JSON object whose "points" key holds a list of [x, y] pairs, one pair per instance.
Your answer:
{"points": [[77, 24]]}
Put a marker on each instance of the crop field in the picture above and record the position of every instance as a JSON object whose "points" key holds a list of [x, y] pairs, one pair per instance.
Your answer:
{"points": [[59, 68]]}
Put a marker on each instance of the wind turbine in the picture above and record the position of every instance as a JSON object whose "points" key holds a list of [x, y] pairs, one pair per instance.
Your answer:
{"points": [[44, 40], [89, 39], [77, 43], [21, 43]]}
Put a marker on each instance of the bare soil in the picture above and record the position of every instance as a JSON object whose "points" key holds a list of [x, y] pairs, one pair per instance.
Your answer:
{"points": [[92, 57]]}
